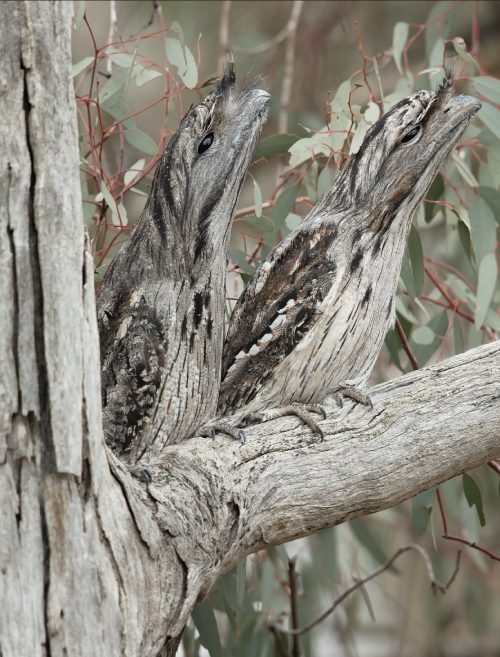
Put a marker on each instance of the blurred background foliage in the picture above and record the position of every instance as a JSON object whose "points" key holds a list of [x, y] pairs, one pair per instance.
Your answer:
{"points": [[333, 68]]}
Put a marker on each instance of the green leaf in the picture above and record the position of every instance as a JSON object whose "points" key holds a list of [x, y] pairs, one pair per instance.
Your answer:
{"points": [[146, 75], [365, 537], [372, 113], [134, 171], [241, 581], [407, 275], [240, 259], [304, 149], [421, 509], [393, 345], [358, 137], [437, 54], [473, 497], [487, 87], [484, 229], [204, 619], [82, 65], [399, 38], [259, 224], [108, 197], [490, 116], [487, 280], [325, 181], [80, 12], [140, 140], [492, 198], [284, 205], [267, 585], [423, 335], [293, 221], [436, 26], [182, 59], [125, 60], [115, 85], [438, 325], [274, 145], [257, 198], [416, 254], [464, 171]]}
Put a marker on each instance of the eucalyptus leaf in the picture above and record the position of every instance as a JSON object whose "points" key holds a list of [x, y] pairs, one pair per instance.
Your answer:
{"points": [[484, 228], [416, 254], [257, 199], [487, 281], [423, 335], [359, 527], [240, 259], [487, 87], [492, 198], [284, 205], [490, 116], [140, 140], [274, 145], [82, 65], [182, 59], [399, 39], [325, 181], [146, 75], [293, 221], [206, 624], [474, 497], [421, 509]]}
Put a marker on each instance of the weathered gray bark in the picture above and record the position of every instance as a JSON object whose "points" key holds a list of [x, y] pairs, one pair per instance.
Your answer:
{"points": [[92, 561]]}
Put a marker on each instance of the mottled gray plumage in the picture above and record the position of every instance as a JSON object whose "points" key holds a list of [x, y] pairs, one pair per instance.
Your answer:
{"points": [[314, 316], [161, 307]]}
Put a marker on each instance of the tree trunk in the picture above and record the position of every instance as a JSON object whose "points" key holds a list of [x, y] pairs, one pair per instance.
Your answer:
{"points": [[92, 560]]}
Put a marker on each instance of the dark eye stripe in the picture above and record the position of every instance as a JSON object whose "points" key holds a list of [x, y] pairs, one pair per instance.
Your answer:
{"points": [[410, 135], [205, 143]]}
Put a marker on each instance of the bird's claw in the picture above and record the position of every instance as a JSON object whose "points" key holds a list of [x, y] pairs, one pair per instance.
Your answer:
{"points": [[302, 411], [211, 430], [353, 393]]}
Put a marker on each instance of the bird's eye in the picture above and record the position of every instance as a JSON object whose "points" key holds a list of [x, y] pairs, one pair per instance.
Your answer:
{"points": [[410, 135], [205, 143]]}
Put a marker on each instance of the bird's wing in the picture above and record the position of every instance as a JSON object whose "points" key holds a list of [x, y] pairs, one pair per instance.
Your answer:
{"points": [[276, 310]]}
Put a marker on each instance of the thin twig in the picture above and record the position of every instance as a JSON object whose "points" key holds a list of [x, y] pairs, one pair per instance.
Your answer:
{"points": [[286, 89], [113, 24], [279, 644], [268, 45], [292, 582], [224, 33], [406, 345], [473, 545], [436, 585]]}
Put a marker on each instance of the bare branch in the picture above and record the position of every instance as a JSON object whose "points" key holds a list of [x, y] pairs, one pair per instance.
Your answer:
{"points": [[436, 585]]}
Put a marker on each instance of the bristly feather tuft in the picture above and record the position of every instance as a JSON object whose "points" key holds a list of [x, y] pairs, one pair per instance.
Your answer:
{"points": [[446, 83], [228, 79]]}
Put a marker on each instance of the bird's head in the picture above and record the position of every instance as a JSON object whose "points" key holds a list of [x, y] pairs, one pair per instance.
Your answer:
{"points": [[203, 167], [402, 153]]}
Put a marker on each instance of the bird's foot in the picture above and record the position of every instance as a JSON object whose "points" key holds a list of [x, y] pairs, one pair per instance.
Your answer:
{"points": [[302, 411], [140, 473], [354, 393], [223, 427]]}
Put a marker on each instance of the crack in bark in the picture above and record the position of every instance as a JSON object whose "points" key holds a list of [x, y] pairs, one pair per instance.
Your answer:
{"points": [[48, 455]]}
